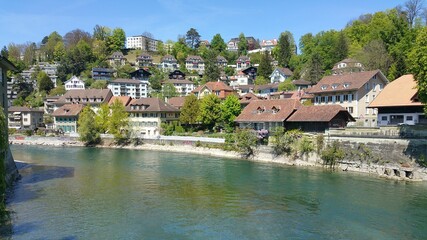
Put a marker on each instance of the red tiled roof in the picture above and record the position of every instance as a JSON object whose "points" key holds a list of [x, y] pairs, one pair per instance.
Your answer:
{"points": [[125, 100], [323, 113], [214, 86], [249, 97], [177, 102], [123, 80], [23, 109], [152, 105], [178, 81], [105, 94], [286, 71], [68, 110], [301, 82], [262, 110], [345, 82]]}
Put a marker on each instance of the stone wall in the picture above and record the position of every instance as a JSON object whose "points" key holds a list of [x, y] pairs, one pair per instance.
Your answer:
{"points": [[11, 170]]}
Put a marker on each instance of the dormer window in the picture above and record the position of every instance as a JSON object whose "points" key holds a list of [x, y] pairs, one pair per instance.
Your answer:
{"points": [[324, 87], [260, 110], [334, 86], [346, 85], [275, 110]]}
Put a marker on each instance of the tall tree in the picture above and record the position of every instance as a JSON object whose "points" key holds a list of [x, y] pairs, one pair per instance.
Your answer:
{"points": [[190, 110], [4, 52], [242, 45], [101, 32], [212, 72], [22, 87], [284, 51], [169, 91], [192, 38], [230, 109], [117, 40], [413, 9], [118, 120], [375, 56], [49, 47], [341, 47], [102, 118], [265, 69], [314, 70], [44, 82], [30, 53], [218, 43], [72, 38], [210, 111], [87, 127], [418, 61]]}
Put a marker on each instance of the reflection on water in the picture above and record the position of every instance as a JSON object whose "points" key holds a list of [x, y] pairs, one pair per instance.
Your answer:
{"points": [[88, 193]]}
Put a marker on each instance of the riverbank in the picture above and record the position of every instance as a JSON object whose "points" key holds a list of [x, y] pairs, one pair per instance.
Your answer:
{"points": [[389, 170]]}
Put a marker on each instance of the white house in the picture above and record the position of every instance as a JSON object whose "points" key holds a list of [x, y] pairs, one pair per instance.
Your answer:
{"points": [[74, 83], [280, 74], [183, 87], [129, 87]]}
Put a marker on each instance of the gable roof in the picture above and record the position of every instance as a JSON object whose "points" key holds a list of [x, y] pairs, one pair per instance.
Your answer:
{"points": [[248, 97], [214, 86], [6, 64], [301, 82], [194, 58], [266, 86], [125, 100], [243, 59], [168, 57], [23, 109], [284, 71], [127, 81], [262, 110], [354, 81], [400, 92], [117, 54], [321, 113], [68, 110], [152, 105], [105, 94], [177, 102], [178, 81], [73, 78]]}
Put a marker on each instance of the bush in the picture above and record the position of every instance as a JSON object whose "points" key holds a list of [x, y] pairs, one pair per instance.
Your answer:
{"points": [[305, 146], [28, 132], [284, 142], [12, 131], [332, 154], [246, 142], [320, 141]]}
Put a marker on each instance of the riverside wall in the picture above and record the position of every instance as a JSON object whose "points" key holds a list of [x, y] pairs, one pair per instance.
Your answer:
{"points": [[389, 158]]}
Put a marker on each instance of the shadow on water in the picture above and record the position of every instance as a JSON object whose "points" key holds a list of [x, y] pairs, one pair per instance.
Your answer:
{"points": [[25, 190]]}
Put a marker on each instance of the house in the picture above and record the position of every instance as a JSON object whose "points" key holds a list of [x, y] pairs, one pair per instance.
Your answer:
{"points": [[243, 89], [92, 97], [74, 83], [221, 61], [117, 59], [66, 117], [268, 45], [183, 87], [220, 89], [267, 114], [319, 118], [195, 63], [144, 60], [353, 91], [247, 98], [398, 103], [140, 74], [242, 62], [129, 87], [266, 89], [302, 84], [147, 114], [49, 104], [280, 75], [251, 73], [232, 45], [177, 102], [144, 43], [240, 79], [124, 100], [102, 74], [176, 74], [205, 43], [300, 95], [347, 65], [168, 63], [25, 118]]}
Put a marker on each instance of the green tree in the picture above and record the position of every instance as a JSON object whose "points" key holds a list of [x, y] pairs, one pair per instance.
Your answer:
{"points": [[242, 45], [192, 38], [218, 43], [314, 69], [4, 52], [156, 79], [125, 71], [374, 56], [169, 91], [284, 51], [260, 80], [118, 121], [49, 47], [190, 110], [230, 109], [265, 69], [59, 90], [246, 142], [287, 85], [417, 58], [87, 127], [22, 87], [341, 48], [59, 51], [117, 40], [102, 118], [210, 111], [99, 84], [180, 51], [44, 82], [212, 72], [101, 32]]}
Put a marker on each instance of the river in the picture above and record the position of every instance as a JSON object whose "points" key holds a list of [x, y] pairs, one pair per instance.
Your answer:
{"points": [[91, 193]]}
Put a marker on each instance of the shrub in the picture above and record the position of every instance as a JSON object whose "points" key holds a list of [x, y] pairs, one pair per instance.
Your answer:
{"points": [[12, 131], [332, 154], [305, 146], [28, 132], [284, 141], [246, 142], [320, 141]]}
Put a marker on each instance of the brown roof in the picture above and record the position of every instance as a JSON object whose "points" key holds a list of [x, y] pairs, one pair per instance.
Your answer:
{"points": [[214, 86], [301, 82], [178, 81], [152, 105], [125, 100], [266, 86], [168, 58], [345, 82], [347, 60], [105, 94], [262, 110], [248, 97], [194, 58], [23, 109], [177, 102], [399, 92], [323, 113], [68, 110], [122, 80], [117, 54], [243, 59], [286, 71]]}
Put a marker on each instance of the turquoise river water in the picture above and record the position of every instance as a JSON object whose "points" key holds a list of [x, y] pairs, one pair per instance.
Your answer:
{"points": [[90, 193]]}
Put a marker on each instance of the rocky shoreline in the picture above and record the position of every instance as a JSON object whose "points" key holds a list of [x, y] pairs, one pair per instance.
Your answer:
{"points": [[388, 171]]}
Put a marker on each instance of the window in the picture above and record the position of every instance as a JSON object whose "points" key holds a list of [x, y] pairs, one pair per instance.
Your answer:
{"points": [[324, 87], [346, 97], [350, 110], [367, 98], [334, 86], [381, 86], [409, 118], [367, 111], [373, 97], [367, 86], [346, 85], [384, 118]]}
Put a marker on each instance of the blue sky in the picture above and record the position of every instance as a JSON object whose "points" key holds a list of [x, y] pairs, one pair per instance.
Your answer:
{"points": [[22, 21]]}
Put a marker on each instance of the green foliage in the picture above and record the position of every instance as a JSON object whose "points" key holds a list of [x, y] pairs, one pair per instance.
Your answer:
{"points": [[246, 143], [22, 87], [284, 50], [172, 128], [58, 91], [44, 82], [99, 84], [320, 142], [287, 85], [190, 110], [242, 45], [87, 128], [210, 111], [265, 69], [305, 146], [374, 56], [192, 38], [260, 80], [212, 72], [218, 44], [284, 142], [155, 80], [169, 91], [332, 154], [418, 62], [230, 109], [124, 71], [118, 121], [116, 41], [102, 118]]}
